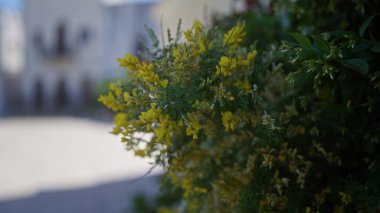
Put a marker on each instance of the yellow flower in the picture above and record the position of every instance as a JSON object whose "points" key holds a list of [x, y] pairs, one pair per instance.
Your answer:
{"points": [[250, 58], [188, 35], [243, 85], [177, 54], [195, 30], [150, 116], [229, 121], [129, 61], [193, 128], [226, 66], [200, 190], [127, 98], [120, 119], [140, 153], [151, 79], [197, 38], [345, 198], [181, 56], [115, 89], [110, 101], [164, 130], [145, 73], [166, 210], [201, 45], [164, 83], [121, 122], [198, 27], [234, 36]]}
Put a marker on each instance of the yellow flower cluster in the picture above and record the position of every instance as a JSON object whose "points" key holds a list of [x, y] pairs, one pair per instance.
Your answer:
{"points": [[195, 31], [144, 71], [161, 124], [181, 55], [110, 100], [121, 122], [129, 61], [226, 66], [243, 85], [140, 153], [197, 39], [234, 36], [127, 98], [186, 116], [149, 117], [229, 121], [249, 60], [193, 127], [345, 198], [152, 80], [163, 132], [167, 210], [211, 132]]}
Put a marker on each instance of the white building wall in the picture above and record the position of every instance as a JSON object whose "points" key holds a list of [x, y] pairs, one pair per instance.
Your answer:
{"points": [[84, 59], [45, 15], [11, 57], [11, 42], [125, 29], [170, 11], [111, 31], [2, 102], [2, 88]]}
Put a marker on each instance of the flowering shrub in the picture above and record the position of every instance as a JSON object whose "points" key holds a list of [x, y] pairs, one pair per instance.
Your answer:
{"points": [[198, 101], [285, 129]]}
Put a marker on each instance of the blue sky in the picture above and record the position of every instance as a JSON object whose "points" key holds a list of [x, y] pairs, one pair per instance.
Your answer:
{"points": [[12, 4]]}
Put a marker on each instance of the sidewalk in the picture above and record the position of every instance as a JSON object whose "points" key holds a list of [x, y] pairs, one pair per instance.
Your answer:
{"points": [[67, 158]]}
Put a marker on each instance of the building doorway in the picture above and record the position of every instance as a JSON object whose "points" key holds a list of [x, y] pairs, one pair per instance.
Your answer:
{"points": [[38, 96], [61, 96], [86, 92], [61, 42]]}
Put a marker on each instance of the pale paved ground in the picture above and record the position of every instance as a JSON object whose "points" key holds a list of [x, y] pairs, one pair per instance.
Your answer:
{"points": [[45, 162]]}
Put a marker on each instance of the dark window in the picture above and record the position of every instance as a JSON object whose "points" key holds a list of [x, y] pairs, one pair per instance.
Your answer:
{"points": [[38, 95], [61, 40], [61, 97], [85, 35], [87, 92]]}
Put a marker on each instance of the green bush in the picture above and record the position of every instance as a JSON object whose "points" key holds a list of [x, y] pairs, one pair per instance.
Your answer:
{"points": [[261, 128]]}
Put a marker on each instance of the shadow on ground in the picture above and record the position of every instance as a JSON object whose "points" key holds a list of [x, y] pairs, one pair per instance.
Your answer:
{"points": [[113, 197]]}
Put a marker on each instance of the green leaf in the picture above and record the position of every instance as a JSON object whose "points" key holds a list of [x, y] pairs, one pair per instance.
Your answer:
{"points": [[152, 35], [367, 56], [179, 32], [321, 43], [360, 48], [357, 64], [365, 25], [376, 47], [301, 39]]}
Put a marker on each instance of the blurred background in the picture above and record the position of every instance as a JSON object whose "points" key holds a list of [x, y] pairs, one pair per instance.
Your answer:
{"points": [[56, 57]]}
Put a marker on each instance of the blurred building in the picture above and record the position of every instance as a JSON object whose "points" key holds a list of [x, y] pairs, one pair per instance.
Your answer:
{"points": [[170, 11], [2, 102], [11, 57], [72, 46]]}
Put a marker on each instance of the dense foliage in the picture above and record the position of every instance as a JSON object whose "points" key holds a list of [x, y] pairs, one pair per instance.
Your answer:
{"points": [[267, 127]]}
